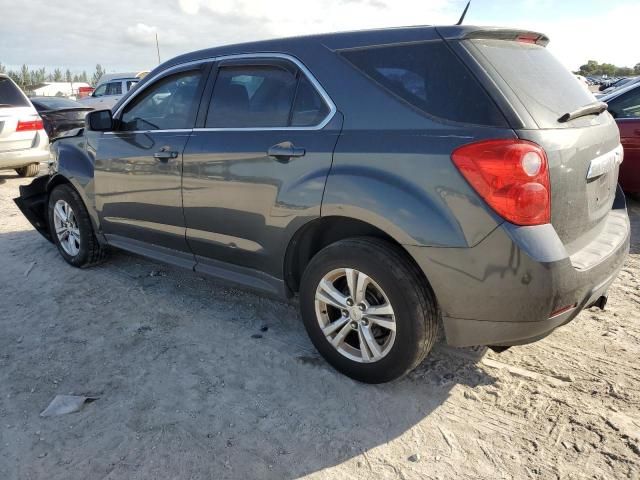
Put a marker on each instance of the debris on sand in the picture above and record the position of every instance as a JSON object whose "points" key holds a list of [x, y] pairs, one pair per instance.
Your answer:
{"points": [[63, 404], [29, 268]]}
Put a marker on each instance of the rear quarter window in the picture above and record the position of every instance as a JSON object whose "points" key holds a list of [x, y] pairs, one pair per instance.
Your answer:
{"points": [[429, 77], [11, 95]]}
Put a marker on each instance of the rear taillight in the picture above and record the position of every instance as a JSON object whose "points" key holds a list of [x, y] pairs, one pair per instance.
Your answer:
{"points": [[30, 124], [528, 38], [512, 176]]}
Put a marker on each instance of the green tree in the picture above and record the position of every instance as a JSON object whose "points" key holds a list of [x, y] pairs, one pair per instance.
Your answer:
{"points": [[68, 77], [97, 75], [84, 78], [57, 75], [636, 69], [25, 77], [3, 69]]}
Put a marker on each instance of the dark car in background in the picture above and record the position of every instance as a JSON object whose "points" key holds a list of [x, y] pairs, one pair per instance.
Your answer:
{"points": [[60, 114], [396, 180], [624, 105]]}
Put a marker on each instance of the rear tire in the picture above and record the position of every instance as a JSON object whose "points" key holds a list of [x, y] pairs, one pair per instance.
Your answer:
{"points": [[396, 309], [71, 228], [30, 170]]}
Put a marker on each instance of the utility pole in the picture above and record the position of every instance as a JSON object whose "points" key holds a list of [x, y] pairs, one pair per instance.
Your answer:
{"points": [[158, 48]]}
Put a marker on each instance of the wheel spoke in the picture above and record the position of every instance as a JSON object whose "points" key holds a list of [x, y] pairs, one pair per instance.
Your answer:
{"points": [[370, 342], [332, 327], [342, 334], [352, 281], [72, 244], [361, 287], [382, 322], [61, 230], [330, 295], [364, 349], [379, 310], [62, 215]]}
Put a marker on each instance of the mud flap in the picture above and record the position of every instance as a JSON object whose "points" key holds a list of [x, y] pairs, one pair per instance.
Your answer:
{"points": [[32, 202]]}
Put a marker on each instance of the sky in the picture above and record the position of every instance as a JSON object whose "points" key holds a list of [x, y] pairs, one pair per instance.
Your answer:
{"points": [[120, 34]]}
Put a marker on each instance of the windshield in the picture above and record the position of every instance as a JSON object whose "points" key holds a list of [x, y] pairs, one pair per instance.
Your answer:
{"points": [[546, 88]]}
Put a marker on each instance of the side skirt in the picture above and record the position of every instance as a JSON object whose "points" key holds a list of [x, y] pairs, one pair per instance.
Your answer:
{"points": [[243, 277]]}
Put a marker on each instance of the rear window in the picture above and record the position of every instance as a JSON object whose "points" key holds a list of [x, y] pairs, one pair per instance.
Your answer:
{"points": [[11, 95], [545, 87], [430, 78], [55, 103]]}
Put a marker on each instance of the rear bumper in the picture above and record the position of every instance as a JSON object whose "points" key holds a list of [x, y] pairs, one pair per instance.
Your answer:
{"points": [[505, 290], [21, 158]]}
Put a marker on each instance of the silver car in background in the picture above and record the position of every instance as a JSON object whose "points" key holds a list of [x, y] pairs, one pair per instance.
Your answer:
{"points": [[23, 140]]}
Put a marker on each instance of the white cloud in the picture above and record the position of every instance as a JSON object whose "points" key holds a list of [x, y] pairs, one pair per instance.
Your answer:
{"points": [[611, 38], [141, 34], [294, 17]]}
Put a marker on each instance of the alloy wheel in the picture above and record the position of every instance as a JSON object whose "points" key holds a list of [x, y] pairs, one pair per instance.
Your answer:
{"points": [[355, 315], [66, 226]]}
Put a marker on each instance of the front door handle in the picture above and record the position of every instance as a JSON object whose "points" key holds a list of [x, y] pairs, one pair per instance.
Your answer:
{"points": [[285, 151]]}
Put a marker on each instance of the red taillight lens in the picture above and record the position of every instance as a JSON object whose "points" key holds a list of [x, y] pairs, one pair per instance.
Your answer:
{"points": [[527, 38], [29, 125], [512, 176]]}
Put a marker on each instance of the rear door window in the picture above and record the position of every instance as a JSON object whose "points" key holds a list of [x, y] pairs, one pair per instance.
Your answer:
{"points": [[545, 87], [252, 97], [264, 96], [11, 95], [309, 108], [430, 78]]}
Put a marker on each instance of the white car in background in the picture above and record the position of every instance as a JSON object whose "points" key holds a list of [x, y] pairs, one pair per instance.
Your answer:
{"points": [[23, 140], [111, 89]]}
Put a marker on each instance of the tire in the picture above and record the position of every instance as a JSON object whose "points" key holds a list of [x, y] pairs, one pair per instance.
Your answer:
{"points": [[84, 251], [414, 311], [30, 170]]}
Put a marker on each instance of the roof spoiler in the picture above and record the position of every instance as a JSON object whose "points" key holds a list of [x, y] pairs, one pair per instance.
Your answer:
{"points": [[456, 32]]}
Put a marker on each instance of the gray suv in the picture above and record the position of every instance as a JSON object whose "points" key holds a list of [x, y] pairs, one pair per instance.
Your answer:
{"points": [[395, 180]]}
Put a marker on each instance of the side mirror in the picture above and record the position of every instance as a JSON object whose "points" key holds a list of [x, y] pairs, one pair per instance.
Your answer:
{"points": [[99, 121]]}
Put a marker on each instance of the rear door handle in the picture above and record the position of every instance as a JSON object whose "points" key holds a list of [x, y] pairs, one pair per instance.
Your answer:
{"points": [[165, 154], [285, 151]]}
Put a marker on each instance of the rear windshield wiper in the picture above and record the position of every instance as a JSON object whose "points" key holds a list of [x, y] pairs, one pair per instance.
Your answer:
{"points": [[595, 108]]}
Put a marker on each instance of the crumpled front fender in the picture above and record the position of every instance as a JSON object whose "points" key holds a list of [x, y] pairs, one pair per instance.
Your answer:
{"points": [[32, 202]]}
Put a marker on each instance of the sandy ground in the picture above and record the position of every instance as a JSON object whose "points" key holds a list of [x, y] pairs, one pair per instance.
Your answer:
{"points": [[197, 380]]}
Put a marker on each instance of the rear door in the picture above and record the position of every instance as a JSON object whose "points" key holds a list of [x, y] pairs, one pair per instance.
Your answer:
{"points": [[16, 113], [255, 170], [537, 90], [626, 110], [138, 166]]}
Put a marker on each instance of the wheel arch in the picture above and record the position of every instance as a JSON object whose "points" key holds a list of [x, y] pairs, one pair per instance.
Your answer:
{"points": [[312, 237]]}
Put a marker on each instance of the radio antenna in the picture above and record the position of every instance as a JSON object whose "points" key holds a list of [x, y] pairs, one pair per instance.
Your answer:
{"points": [[464, 13]]}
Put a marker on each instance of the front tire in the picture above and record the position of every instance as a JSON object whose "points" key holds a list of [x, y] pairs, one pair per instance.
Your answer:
{"points": [[368, 310], [71, 228], [30, 170]]}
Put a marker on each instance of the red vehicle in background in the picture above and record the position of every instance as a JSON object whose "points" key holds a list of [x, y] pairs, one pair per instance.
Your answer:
{"points": [[624, 105], [84, 92]]}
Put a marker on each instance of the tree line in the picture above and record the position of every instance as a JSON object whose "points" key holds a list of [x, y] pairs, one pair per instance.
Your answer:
{"points": [[593, 69], [29, 79]]}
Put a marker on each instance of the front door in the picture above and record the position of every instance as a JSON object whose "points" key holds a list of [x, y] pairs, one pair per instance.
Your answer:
{"points": [[138, 167], [256, 171]]}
